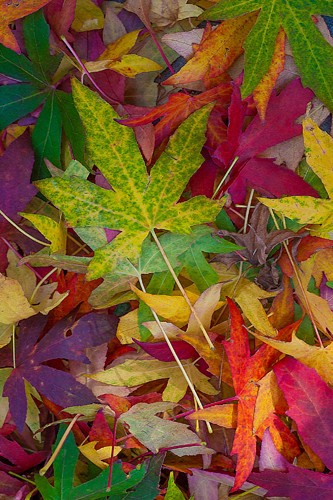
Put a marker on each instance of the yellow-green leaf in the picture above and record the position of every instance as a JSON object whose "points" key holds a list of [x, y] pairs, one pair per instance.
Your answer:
{"points": [[136, 372], [138, 202], [53, 231]]}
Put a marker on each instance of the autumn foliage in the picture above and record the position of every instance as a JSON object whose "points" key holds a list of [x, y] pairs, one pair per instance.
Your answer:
{"points": [[166, 249]]}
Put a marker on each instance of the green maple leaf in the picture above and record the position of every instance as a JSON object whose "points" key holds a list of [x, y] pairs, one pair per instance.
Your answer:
{"points": [[93, 489], [313, 55], [138, 202]]}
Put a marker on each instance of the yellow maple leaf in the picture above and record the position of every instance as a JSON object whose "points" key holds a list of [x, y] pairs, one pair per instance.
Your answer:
{"points": [[117, 58], [321, 359]]}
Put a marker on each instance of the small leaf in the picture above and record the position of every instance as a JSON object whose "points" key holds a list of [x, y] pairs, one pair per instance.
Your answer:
{"points": [[87, 16]]}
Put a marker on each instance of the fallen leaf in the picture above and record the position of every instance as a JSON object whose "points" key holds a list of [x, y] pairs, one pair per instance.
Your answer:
{"points": [[309, 399], [67, 339], [156, 433], [305, 209], [178, 107], [97, 455], [75, 197], [132, 373], [295, 19], [12, 11], [263, 90], [87, 16], [216, 52], [167, 14]]}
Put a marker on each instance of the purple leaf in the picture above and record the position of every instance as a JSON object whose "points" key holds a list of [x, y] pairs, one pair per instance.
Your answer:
{"points": [[65, 340], [296, 484]]}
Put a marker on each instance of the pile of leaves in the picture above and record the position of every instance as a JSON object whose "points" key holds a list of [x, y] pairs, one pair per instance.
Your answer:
{"points": [[166, 285]]}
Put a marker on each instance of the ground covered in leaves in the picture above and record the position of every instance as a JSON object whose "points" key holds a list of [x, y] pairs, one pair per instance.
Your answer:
{"points": [[166, 254]]}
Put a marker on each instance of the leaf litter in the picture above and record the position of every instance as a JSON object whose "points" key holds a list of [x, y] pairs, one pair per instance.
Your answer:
{"points": [[166, 309]]}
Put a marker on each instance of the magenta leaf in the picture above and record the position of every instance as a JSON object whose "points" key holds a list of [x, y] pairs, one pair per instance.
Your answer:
{"points": [[20, 460], [310, 402]]}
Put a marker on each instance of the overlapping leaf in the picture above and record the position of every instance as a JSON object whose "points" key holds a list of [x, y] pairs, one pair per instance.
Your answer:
{"points": [[65, 340], [150, 201], [305, 209], [312, 54], [64, 469]]}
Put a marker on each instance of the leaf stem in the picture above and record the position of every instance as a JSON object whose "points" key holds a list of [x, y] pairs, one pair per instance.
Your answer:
{"points": [[54, 455], [180, 286], [295, 269], [14, 345], [86, 72], [224, 177], [22, 230], [179, 363], [39, 284]]}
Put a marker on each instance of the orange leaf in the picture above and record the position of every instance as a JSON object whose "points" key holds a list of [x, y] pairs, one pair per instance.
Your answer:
{"points": [[216, 52], [217, 361], [283, 306], [11, 11], [223, 415], [263, 90], [246, 371], [245, 441], [284, 440], [178, 107]]}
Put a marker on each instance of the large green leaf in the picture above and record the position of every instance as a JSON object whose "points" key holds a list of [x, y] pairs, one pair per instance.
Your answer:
{"points": [[46, 137], [312, 54], [36, 33], [138, 202], [64, 469], [18, 100]]}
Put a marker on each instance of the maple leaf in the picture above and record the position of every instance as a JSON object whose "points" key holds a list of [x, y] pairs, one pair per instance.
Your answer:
{"points": [[156, 433], [312, 54], [309, 399], [64, 340], [305, 209], [216, 52], [178, 107], [321, 359], [252, 170], [64, 469], [280, 478], [133, 372], [19, 458], [246, 370], [138, 203], [11, 11]]}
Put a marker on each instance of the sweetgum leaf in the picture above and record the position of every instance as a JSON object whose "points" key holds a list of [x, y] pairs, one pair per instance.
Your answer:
{"points": [[67, 339], [64, 468], [139, 202], [312, 54]]}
